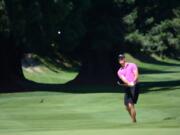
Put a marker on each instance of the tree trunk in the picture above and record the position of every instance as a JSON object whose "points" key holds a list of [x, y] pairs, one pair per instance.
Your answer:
{"points": [[10, 52], [98, 68], [10, 57]]}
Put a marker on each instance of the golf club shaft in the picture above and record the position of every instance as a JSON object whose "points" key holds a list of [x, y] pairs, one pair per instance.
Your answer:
{"points": [[122, 84]]}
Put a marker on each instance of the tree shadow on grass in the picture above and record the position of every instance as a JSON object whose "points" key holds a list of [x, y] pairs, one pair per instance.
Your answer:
{"points": [[150, 60], [153, 71], [145, 87], [30, 86], [159, 86]]}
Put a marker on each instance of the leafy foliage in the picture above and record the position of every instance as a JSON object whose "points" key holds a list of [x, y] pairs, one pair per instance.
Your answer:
{"points": [[158, 31], [4, 20], [151, 26]]}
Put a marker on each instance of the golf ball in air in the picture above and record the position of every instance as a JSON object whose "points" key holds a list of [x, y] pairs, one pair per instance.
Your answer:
{"points": [[59, 32]]}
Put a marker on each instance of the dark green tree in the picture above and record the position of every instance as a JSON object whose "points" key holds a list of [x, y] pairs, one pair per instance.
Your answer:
{"points": [[10, 54], [91, 31], [153, 27], [95, 37]]}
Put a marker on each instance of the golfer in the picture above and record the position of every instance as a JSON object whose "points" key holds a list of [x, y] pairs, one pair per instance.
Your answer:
{"points": [[128, 73]]}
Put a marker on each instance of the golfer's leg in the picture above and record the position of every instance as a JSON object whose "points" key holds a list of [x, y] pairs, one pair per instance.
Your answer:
{"points": [[126, 103], [128, 109], [132, 112]]}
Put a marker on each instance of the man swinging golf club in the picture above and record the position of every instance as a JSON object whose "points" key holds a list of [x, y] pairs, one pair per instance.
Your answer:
{"points": [[128, 73]]}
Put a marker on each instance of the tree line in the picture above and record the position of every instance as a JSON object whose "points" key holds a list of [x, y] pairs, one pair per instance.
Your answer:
{"points": [[92, 31]]}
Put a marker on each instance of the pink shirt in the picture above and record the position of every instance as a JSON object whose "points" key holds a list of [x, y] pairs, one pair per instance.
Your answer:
{"points": [[127, 72]]}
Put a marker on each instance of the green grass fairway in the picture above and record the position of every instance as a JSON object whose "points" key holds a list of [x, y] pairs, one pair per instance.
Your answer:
{"points": [[57, 113]]}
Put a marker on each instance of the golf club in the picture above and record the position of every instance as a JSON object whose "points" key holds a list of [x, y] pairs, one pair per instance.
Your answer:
{"points": [[122, 84]]}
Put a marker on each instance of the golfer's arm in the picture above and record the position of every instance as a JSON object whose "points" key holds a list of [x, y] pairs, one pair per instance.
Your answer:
{"points": [[124, 79], [136, 75]]}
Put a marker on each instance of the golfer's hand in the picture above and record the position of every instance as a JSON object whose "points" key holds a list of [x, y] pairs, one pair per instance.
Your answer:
{"points": [[131, 84]]}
